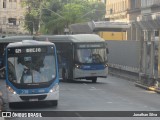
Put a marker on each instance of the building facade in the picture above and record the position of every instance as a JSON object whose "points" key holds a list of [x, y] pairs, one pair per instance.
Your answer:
{"points": [[129, 11], [11, 17], [125, 10]]}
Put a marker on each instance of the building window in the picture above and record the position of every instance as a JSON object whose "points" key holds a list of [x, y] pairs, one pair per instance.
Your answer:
{"points": [[156, 33], [4, 3], [12, 4], [12, 20], [132, 4]]}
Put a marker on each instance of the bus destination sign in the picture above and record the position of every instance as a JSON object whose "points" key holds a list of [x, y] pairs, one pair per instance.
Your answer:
{"points": [[26, 50], [90, 45]]}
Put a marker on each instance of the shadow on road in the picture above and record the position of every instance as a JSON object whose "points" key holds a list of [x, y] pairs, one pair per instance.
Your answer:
{"points": [[83, 81], [32, 105]]}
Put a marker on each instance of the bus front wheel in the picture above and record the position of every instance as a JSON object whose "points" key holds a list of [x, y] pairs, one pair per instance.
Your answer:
{"points": [[54, 102], [64, 75]]}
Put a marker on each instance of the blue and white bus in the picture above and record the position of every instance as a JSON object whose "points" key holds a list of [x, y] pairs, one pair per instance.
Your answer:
{"points": [[31, 72], [81, 56]]}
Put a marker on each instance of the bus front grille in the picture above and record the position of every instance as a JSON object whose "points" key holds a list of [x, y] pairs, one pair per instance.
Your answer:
{"points": [[39, 97]]}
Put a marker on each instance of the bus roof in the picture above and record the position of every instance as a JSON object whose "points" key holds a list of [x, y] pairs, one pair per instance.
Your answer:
{"points": [[78, 38], [91, 27], [24, 43], [15, 39]]}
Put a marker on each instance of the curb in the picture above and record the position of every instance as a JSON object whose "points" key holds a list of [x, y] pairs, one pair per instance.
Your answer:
{"points": [[141, 86], [151, 88]]}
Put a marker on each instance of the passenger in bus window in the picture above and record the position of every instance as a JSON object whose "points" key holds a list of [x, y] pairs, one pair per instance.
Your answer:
{"points": [[96, 58], [26, 76], [19, 71], [38, 77]]}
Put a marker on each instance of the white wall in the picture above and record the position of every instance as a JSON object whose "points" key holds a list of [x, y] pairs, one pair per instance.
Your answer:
{"points": [[147, 3]]}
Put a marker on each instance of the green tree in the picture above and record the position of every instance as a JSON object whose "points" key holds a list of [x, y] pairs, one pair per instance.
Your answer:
{"points": [[98, 11], [70, 12], [52, 16], [32, 15]]}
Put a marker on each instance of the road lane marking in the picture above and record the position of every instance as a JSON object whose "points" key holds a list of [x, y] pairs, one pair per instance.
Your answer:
{"points": [[109, 102], [93, 88]]}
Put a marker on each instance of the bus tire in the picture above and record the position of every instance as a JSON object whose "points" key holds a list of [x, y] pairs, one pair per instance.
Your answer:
{"points": [[64, 75], [94, 79], [54, 102]]}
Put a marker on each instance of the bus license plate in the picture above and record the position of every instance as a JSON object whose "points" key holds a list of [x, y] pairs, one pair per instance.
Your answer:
{"points": [[33, 99]]}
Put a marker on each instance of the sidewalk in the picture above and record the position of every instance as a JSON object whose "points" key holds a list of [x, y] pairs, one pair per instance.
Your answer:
{"points": [[2, 92], [1, 103], [2, 86]]}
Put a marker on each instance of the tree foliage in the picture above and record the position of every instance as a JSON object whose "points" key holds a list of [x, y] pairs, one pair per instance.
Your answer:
{"points": [[54, 15], [32, 15]]}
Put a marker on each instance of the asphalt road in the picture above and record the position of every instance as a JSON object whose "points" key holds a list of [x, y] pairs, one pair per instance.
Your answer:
{"points": [[111, 94]]}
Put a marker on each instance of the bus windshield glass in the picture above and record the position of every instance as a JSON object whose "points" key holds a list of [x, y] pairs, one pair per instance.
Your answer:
{"points": [[91, 55], [31, 68]]}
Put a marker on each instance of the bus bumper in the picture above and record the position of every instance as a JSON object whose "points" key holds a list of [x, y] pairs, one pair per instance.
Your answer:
{"points": [[79, 73], [32, 97]]}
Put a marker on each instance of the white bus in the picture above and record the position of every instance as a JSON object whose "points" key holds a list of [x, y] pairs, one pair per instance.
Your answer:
{"points": [[31, 72], [81, 56]]}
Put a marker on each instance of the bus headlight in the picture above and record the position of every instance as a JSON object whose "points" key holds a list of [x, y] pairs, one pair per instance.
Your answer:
{"points": [[11, 90], [106, 65], [77, 66], [55, 88]]}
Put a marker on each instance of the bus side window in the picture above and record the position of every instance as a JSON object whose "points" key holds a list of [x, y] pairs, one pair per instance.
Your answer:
{"points": [[59, 59]]}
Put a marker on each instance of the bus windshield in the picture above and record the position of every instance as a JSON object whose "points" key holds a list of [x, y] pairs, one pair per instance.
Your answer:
{"points": [[31, 69], [91, 55]]}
